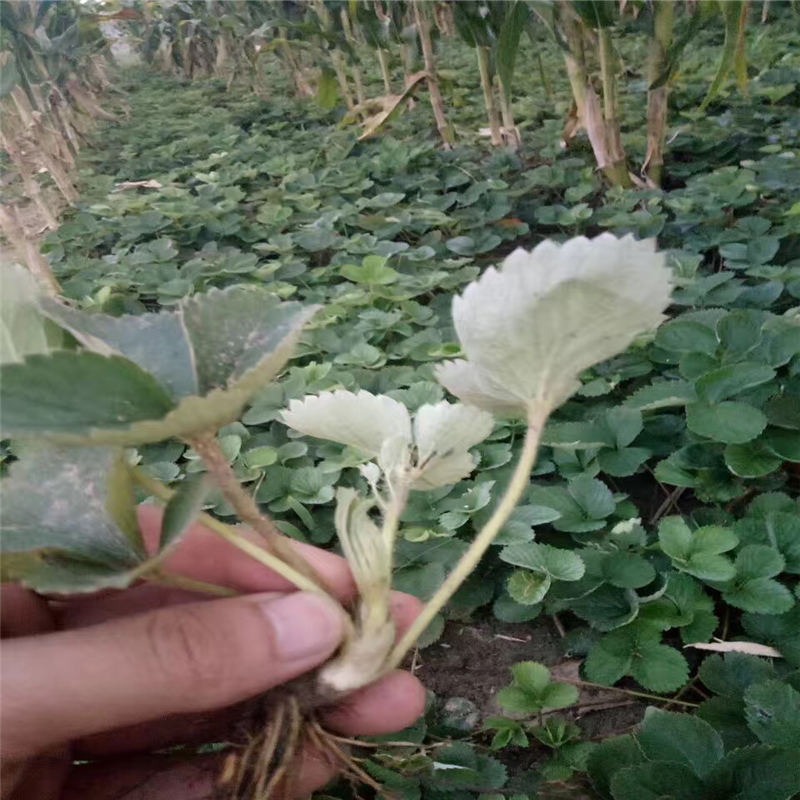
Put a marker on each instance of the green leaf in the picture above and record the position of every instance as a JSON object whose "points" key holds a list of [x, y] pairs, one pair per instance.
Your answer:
{"points": [[675, 537], [683, 336], [421, 581], [663, 394], [559, 695], [729, 422], [576, 435], [681, 739], [70, 395], [751, 459], [702, 627], [532, 690], [593, 496], [759, 772], [731, 674], [783, 444], [61, 508], [753, 588], [656, 780], [621, 463], [627, 570], [783, 411], [528, 588], [780, 631], [373, 272], [739, 332], [610, 756], [726, 716], [183, 507], [659, 668], [515, 18], [607, 607], [238, 340], [506, 609], [241, 337], [780, 530], [758, 561], [714, 539], [760, 596], [562, 565], [730, 380], [531, 676], [610, 659], [772, 710], [158, 343], [625, 424], [709, 567]]}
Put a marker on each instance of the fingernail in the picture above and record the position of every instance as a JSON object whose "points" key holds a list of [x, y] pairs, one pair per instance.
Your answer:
{"points": [[306, 626]]}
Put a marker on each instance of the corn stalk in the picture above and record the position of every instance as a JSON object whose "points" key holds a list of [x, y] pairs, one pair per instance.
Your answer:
{"points": [[27, 249], [663, 24], [488, 96], [600, 122], [437, 103]]}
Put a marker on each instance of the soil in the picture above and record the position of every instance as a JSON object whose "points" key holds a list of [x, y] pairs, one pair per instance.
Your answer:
{"points": [[472, 660]]}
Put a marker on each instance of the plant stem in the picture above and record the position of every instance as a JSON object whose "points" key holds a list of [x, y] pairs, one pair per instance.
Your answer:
{"points": [[633, 693], [189, 584], [519, 482], [232, 536], [207, 447]]}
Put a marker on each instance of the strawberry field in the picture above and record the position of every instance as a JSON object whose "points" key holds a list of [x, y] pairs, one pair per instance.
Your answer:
{"points": [[633, 631]]}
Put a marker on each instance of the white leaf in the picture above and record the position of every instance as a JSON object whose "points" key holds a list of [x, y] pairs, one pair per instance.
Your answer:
{"points": [[445, 471], [443, 434], [446, 428], [531, 328], [361, 419], [476, 388], [751, 648]]}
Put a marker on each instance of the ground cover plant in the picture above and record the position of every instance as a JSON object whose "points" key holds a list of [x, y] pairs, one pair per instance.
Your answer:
{"points": [[663, 509]]}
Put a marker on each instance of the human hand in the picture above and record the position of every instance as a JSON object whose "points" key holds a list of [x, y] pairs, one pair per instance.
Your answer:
{"points": [[113, 677]]}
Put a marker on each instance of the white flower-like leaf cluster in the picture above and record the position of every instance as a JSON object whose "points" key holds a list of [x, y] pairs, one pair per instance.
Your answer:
{"points": [[432, 450], [532, 327]]}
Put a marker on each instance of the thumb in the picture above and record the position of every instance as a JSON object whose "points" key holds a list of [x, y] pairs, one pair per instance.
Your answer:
{"points": [[181, 659]]}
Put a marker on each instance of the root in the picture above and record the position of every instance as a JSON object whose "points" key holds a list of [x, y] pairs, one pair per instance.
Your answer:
{"points": [[265, 767]]}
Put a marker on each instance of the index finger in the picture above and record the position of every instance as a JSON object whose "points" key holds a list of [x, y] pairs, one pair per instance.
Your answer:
{"points": [[204, 556]]}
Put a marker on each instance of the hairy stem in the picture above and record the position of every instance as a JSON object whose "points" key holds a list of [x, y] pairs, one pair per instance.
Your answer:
{"points": [[633, 693], [232, 536], [468, 562], [246, 508], [175, 581]]}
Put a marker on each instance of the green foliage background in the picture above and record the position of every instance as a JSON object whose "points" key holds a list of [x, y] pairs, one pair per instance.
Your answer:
{"points": [[664, 506]]}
